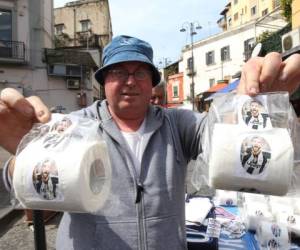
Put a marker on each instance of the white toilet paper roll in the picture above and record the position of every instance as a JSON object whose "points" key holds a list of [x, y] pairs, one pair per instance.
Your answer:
{"points": [[295, 189], [296, 205], [76, 179], [269, 173], [285, 218], [294, 224], [274, 235], [279, 208], [284, 200], [255, 212], [292, 221]]}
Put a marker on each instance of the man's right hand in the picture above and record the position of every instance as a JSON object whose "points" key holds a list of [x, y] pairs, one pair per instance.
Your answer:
{"points": [[17, 116]]}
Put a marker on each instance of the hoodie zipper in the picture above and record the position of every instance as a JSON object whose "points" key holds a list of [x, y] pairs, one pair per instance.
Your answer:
{"points": [[141, 221], [139, 196], [139, 203], [139, 192]]}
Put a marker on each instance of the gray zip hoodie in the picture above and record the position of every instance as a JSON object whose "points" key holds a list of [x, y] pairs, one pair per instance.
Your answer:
{"points": [[145, 211]]}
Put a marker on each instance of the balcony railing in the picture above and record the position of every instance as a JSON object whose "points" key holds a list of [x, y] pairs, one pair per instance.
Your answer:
{"points": [[12, 50], [190, 71]]}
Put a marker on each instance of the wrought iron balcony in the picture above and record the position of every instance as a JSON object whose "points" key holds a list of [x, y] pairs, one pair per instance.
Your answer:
{"points": [[12, 51], [190, 72]]}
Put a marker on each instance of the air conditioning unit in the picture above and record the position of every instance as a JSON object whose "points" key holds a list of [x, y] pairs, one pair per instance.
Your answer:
{"points": [[73, 83], [290, 40]]}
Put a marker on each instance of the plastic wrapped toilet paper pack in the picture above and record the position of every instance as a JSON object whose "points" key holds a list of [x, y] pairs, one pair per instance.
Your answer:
{"points": [[246, 138], [292, 221], [296, 205], [273, 235], [254, 213], [66, 168], [294, 224], [233, 165]]}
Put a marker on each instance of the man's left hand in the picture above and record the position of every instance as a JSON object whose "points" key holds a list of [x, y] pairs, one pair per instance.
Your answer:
{"points": [[270, 73]]}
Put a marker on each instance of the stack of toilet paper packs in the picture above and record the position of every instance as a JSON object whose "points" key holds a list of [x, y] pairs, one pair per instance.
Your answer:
{"points": [[274, 219], [251, 147], [63, 166]]}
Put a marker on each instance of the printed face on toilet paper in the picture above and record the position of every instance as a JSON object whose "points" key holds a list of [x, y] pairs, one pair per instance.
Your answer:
{"points": [[253, 113], [60, 133], [54, 135], [45, 179], [255, 155], [273, 244]]}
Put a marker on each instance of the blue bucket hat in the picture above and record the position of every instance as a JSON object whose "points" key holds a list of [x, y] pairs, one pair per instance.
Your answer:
{"points": [[126, 49]]}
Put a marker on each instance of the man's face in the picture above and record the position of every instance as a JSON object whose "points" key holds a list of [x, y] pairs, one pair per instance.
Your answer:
{"points": [[63, 125], [254, 108], [157, 97], [128, 98], [45, 172], [256, 146]]}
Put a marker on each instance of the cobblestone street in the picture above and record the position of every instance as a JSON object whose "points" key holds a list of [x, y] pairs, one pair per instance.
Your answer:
{"points": [[16, 234]]}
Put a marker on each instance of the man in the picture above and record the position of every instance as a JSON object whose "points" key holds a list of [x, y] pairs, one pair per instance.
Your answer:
{"points": [[254, 160], [146, 207], [255, 118], [158, 95], [46, 183]]}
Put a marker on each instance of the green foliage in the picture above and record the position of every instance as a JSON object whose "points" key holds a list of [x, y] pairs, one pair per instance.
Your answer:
{"points": [[286, 7], [271, 41]]}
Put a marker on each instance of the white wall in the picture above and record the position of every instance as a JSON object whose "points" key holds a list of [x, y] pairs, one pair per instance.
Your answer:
{"points": [[235, 40], [31, 78]]}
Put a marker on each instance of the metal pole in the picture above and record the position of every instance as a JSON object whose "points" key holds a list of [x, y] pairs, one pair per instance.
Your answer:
{"points": [[192, 47], [39, 230], [191, 26], [74, 25]]}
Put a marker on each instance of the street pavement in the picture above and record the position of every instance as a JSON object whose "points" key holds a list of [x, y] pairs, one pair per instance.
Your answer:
{"points": [[17, 234]]}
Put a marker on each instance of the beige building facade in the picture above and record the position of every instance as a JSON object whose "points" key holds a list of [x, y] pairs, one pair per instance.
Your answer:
{"points": [[83, 23], [80, 27], [295, 14], [239, 12], [63, 78], [25, 30]]}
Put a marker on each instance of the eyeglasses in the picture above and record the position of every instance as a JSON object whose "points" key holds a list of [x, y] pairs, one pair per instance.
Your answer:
{"points": [[123, 75]]}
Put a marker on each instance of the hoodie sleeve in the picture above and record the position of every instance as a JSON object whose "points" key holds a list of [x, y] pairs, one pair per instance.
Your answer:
{"points": [[190, 126], [5, 175]]}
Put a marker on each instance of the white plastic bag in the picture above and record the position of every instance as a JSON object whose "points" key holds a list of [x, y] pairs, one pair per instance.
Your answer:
{"points": [[252, 144], [63, 166]]}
